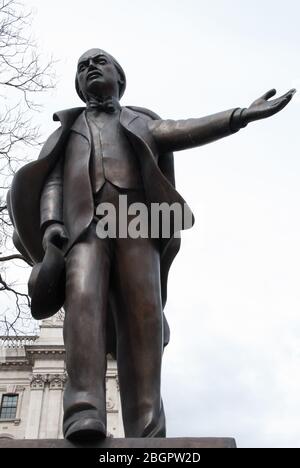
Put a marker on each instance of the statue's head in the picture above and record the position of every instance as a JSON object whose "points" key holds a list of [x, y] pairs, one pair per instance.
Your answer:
{"points": [[99, 75]]}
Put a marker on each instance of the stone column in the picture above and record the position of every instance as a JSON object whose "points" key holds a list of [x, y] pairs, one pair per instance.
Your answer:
{"points": [[56, 387], [37, 387], [20, 389], [44, 414], [113, 403]]}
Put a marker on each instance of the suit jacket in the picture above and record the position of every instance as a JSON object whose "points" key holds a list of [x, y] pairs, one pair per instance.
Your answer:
{"points": [[153, 140]]}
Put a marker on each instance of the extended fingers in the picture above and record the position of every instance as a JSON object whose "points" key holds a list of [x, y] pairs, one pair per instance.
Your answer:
{"points": [[289, 94], [269, 94], [285, 99]]}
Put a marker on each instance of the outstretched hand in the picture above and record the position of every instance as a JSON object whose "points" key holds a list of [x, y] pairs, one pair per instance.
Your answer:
{"points": [[263, 107]]}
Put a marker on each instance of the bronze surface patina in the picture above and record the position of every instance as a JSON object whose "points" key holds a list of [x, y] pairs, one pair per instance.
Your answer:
{"points": [[113, 290]]}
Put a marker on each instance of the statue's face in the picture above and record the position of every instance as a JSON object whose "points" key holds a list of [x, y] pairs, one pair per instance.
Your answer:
{"points": [[97, 75]]}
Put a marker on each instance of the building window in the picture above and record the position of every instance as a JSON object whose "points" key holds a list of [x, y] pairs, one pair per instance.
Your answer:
{"points": [[8, 408]]}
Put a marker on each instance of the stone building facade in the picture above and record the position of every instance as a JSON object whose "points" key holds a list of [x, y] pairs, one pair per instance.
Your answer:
{"points": [[32, 380]]}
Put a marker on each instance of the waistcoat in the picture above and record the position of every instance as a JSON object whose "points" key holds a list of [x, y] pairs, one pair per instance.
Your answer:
{"points": [[112, 158]]}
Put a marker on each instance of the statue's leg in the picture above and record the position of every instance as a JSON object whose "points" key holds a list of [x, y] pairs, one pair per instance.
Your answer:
{"points": [[140, 338], [87, 277]]}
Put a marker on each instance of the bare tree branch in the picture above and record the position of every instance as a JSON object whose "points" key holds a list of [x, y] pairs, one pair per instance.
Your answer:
{"points": [[13, 257], [24, 75]]}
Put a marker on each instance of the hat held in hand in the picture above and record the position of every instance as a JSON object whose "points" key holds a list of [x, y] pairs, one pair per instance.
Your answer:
{"points": [[46, 285]]}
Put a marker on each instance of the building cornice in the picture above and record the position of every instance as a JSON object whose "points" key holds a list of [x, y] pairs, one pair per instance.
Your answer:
{"points": [[42, 350], [24, 350]]}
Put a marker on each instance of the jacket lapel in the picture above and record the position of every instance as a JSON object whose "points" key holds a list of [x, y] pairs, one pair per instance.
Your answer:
{"points": [[137, 127], [127, 117], [81, 127], [68, 116]]}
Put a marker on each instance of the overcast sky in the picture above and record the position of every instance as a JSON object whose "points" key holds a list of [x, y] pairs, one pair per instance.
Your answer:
{"points": [[232, 367]]}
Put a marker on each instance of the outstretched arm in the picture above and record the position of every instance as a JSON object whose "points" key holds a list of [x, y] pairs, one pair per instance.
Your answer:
{"points": [[176, 135]]}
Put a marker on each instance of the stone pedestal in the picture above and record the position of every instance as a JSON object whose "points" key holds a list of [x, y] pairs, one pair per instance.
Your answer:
{"points": [[111, 443]]}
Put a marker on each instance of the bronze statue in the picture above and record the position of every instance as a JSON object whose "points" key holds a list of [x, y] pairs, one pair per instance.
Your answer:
{"points": [[113, 290]]}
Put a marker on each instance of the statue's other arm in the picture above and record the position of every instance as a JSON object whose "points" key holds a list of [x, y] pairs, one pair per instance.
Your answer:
{"points": [[176, 135], [51, 207], [51, 198]]}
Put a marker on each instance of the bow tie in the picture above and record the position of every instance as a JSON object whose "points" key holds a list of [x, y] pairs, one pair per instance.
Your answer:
{"points": [[108, 105]]}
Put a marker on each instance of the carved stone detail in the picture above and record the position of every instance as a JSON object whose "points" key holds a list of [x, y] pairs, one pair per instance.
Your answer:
{"points": [[110, 404], [38, 381], [20, 388], [57, 381]]}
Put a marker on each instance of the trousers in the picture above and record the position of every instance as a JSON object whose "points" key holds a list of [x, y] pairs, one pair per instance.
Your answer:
{"points": [[130, 268]]}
